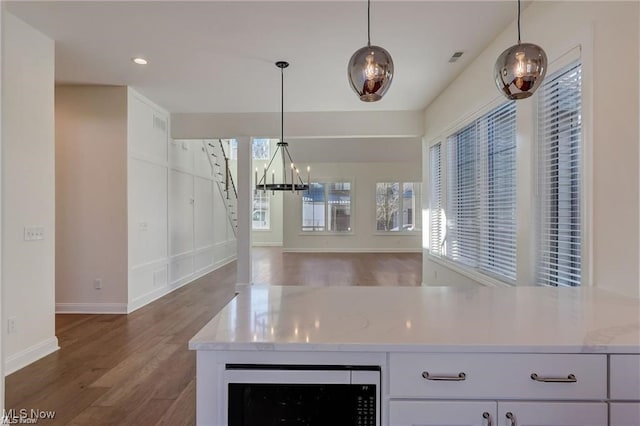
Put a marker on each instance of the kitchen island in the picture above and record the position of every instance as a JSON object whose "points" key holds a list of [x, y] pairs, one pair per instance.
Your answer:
{"points": [[505, 356]]}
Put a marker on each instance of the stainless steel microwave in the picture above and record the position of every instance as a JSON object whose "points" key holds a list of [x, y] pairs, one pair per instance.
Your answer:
{"points": [[302, 395]]}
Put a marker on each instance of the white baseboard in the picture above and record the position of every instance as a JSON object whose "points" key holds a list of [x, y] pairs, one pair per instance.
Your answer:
{"points": [[351, 250], [145, 299], [156, 294], [91, 308], [267, 244], [33, 353]]}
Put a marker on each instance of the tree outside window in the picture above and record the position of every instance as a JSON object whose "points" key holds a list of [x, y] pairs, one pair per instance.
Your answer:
{"points": [[396, 204], [260, 148]]}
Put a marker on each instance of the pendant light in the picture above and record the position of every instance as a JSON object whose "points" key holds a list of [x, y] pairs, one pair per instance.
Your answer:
{"points": [[370, 69], [295, 183], [520, 69]]}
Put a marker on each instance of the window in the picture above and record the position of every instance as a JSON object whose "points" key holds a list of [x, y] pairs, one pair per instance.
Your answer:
{"points": [[260, 214], [481, 194], [436, 213], [396, 206], [260, 148], [327, 207], [559, 172], [232, 151]]}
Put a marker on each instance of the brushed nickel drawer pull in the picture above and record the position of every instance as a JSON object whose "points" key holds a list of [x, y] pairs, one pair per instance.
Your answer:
{"points": [[487, 416], [571, 378], [460, 377], [511, 418]]}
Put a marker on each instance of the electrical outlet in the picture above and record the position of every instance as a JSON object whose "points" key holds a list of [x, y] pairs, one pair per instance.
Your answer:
{"points": [[33, 233], [97, 283], [11, 325]]}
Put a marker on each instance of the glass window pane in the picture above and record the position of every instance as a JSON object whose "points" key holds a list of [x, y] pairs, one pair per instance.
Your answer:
{"points": [[260, 214], [260, 149], [313, 211], [339, 206], [559, 176], [481, 189], [233, 149], [409, 207], [387, 206]]}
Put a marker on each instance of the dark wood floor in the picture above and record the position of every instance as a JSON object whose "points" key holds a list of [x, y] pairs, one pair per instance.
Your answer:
{"points": [[136, 369]]}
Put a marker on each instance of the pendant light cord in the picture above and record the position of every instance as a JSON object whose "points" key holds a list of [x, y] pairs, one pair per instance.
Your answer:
{"points": [[281, 105], [518, 21], [368, 22]]}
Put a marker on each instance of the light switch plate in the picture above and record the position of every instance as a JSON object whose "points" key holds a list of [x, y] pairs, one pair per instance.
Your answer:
{"points": [[33, 233]]}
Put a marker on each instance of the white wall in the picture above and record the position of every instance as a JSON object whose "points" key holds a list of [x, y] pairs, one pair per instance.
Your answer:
{"points": [[147, 198], [2, 322], [91, 198], [135, 211], [608, 32], [201, 239], [364, 237], [28, 192]]}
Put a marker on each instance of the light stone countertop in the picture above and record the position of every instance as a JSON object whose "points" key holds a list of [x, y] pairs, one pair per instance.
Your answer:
{"points": [[424, 319]]}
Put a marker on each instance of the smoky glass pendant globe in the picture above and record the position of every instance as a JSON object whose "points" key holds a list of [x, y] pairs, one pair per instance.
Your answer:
{"points": [[520, 69], [370, 73]]}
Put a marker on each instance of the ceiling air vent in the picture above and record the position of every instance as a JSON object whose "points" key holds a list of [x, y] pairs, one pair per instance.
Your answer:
{"points": [[455, 57]]}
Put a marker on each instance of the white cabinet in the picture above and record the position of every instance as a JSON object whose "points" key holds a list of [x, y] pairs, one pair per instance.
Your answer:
{"points": [[552, 414], [499, 376], [486, 385], [624, 413], [625, 377], [490, 413], [624, 382], [442, 413]]}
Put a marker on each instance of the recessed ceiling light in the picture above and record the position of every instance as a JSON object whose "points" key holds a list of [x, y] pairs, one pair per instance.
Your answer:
{"points": [[140, 61]]}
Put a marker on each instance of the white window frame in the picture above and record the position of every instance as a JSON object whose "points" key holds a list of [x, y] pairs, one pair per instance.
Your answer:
{"points": [[474, 234], [581, 47], [325, 231], [574, 56], [417, 216], [267, 195]]}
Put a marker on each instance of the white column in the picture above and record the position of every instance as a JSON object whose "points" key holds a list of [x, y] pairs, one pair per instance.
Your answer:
{"points": [[244, 276]]}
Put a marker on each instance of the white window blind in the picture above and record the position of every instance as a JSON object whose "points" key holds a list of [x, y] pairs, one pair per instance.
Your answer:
{"points": [[559, 175], [481, 194], [436, 228], [497, 180]]}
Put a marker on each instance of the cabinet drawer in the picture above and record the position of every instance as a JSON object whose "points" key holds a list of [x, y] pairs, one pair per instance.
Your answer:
{"points": [[624, 414], [625, 377], [503, 376]]}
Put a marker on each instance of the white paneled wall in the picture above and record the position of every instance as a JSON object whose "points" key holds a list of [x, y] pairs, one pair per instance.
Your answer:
{"points": [[200, 238], [136, 211], [147, 182]]}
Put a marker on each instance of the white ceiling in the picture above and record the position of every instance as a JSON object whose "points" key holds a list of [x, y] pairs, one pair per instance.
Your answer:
{"points": [[218, 56]]}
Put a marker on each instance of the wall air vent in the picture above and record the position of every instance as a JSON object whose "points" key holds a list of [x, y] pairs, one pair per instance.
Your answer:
{"points": [[455, 57], [159, 123]]}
